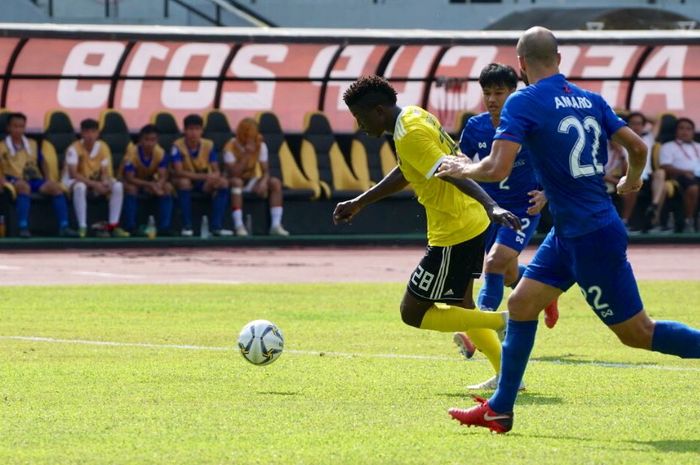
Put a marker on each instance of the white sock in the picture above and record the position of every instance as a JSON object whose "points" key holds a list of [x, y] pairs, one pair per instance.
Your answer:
{"points": [[276, 216], [237, 217], [80, 203], [115, 202]]}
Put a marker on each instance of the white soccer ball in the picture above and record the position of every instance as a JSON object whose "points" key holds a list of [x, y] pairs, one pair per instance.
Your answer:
{"points": [[261, 342]]}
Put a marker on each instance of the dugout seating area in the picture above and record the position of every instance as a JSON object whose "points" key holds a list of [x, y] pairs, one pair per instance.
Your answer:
{"points": [[315, 171]]}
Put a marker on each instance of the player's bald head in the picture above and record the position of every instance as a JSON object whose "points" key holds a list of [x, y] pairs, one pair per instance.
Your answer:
{"points": [[538, 46]]}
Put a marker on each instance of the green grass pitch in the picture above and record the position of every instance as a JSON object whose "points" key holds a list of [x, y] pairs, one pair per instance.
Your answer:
{"points": [[354, 386]]}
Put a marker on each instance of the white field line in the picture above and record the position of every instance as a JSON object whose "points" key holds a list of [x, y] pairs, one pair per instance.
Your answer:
{"points": [[330, 354], [9, 267], [101, 274]]}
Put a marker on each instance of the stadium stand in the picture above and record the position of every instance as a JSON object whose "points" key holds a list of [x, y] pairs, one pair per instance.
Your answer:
{"points": [[168, 130], [115, 133], [322, 160], [217, 129], [281, 161], [59, 132], [372, 158]]}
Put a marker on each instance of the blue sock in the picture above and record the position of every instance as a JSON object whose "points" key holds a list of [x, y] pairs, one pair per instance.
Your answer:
{"points": [[674, 338], [23, 202], [165, 212], [521, 270], [491, 293], [185, 198], [520, 337], [219, 208], [130, 205], [60, 208]]}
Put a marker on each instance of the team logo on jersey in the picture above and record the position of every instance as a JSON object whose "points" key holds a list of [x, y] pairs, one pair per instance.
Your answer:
{"points": [[482, 145]]}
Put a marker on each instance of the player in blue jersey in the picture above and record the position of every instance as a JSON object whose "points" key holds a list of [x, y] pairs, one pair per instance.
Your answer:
{"points": [[519, 192], [566, 128]]}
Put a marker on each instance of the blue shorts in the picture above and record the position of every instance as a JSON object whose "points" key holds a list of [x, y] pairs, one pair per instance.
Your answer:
{"points": [[516, 240], [597, 262], [34, 184]]}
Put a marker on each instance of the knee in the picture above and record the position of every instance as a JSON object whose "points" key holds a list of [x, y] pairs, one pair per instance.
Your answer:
{"points": [[236, 182], [520, 307], [79, 189], [496, 263], [169, 190], [410, 314], [638, 335], [22, 187], [130, 189], [117, 187], [275, 184], [183, 184], [222, 184]]}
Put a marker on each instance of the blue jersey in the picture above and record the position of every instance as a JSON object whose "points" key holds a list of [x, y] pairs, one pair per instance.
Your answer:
{"points": [[511, 193], [566, 129]]}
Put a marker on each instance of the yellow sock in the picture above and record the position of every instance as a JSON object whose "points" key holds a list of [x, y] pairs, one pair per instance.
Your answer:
{"points": [[448, 318], [486, 340]]}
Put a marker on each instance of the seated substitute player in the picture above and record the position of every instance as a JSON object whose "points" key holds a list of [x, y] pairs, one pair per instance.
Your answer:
{"points": [[196, 167], [87, 171], [681, 160], [457, 214], [565, 129], [146, 171], [22, 165], [242, 155], [517, 193]]}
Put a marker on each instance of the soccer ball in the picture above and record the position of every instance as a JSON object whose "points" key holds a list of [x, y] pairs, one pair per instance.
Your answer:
{"points": [[261, 342]]}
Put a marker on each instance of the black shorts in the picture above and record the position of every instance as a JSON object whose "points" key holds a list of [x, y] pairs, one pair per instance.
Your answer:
{"points": [[686, 182], [444, 273]]}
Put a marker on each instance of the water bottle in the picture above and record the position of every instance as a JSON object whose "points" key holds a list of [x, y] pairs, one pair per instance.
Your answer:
{"points": [[249, 223], [151, 228], [204, 228], [2, 225]]}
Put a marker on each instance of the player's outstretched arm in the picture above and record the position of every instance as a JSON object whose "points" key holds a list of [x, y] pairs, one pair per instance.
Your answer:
{"points": [[493, 168], [392, 183], [495, 213]]}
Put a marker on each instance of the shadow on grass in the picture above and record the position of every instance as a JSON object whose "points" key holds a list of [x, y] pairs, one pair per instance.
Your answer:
{"points": [[672, 445], [571, 359], [524, 398]]}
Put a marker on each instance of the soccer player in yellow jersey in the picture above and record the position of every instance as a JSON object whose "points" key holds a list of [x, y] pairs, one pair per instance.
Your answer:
{"points": [[458, 215], [23, 166], [87, 170]]}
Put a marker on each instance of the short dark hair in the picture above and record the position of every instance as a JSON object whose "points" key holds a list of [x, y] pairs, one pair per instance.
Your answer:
{"points": [[148, 129], [370, 91], [497, 74], [89, 123], [16, 115], [637, 114], [684, 119], [192, 120]]}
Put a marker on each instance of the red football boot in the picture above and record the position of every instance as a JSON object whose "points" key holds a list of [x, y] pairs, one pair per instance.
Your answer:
{"points": [[482, 415], [465, 345], [551, 314]]}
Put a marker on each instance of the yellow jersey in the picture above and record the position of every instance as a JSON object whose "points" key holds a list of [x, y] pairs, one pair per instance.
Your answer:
{"points": [[194, 162], [146, 170], [19, 162], [89, 164], [422, 144]]}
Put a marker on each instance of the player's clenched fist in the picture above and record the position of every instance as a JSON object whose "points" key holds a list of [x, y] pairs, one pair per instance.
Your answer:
{"points": [[627, 185], [344, 211]]}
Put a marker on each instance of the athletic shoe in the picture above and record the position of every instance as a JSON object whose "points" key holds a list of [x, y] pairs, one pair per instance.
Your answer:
{"points": [[482, 415], [82, 232], [278, 231], [222, 232], [491, 384], [119, 232], [68, 232], [241, 231], [186, 232], [465, 345], [102, 233], [551, 314], [25, 234]]}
